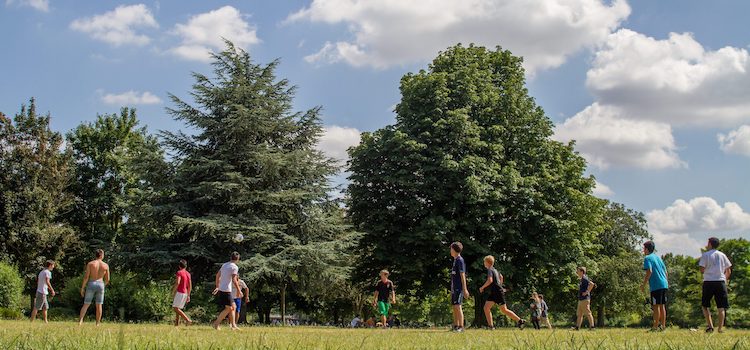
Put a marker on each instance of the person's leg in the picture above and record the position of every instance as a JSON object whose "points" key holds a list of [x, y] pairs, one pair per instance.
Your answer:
{"points": [[98, 314], [579, 314], [663, 315], [488, 313], [460, 316], [84, 308], [706, 304], [232, 320], [176, 317], [504, 309], [707, 315], [44, 315], [33, 313], [547, 322], [722, 303], [656, 315], [456, 317], [222, 315], [589, 314], [722, 315]]}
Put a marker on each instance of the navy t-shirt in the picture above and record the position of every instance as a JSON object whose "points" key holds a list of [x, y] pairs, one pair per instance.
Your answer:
{"points": [[458, 267], [584, 286], [384, 290]]}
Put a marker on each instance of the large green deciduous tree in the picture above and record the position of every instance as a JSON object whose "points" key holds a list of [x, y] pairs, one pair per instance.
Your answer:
{"points": [[251, 179], [471, 159], [34, 173]]}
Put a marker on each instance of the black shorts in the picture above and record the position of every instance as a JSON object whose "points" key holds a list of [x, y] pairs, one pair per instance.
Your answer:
{"points": [[225, 299], [457, 297], [659, 297], [497, 297], [715, 290]]}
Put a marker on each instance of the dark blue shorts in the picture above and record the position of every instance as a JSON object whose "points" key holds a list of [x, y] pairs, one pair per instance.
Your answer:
{"points": [[457, 297]]}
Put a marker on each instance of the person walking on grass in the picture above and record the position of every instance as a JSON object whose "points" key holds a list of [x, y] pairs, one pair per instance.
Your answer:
{"points": [[94, 281], [43, 288], [384, 292], [237, 295], [497, 295], [458, 286], [183, 286], [227, 280], [656, 278], [584, 299], [544, 317], [716, 269]]}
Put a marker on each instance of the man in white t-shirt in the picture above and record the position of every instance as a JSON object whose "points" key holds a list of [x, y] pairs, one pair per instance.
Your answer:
{"points": [[716, 269], [227, 280], [43, 288]]}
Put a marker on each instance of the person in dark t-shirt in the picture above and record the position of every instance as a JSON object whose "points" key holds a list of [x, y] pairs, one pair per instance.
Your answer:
{"points": [[584, 299], [384, 291], [458, 286], [494, 284]]}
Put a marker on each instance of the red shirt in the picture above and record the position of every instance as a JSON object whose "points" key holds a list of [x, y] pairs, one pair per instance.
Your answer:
{"points": [[184, 281]]}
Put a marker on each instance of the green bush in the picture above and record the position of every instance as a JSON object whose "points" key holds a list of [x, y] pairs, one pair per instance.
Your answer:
{"points": [[10, 314], [151, 302], [11, 287]]}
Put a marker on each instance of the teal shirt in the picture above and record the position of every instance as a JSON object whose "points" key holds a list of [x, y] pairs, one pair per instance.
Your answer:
{"points": [[658, 279]]}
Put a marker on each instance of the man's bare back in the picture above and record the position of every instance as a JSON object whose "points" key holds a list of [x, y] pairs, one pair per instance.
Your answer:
{"points": [[97, 270]]}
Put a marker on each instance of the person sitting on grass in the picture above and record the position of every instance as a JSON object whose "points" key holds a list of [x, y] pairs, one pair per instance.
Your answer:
{"points": [[584, 299], [43, 288], [384, 291], [183, 286], [497, 294]]}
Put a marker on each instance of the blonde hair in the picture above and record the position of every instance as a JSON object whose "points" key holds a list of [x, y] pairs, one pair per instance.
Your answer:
{"points": [[490, 259], [384, 272]]}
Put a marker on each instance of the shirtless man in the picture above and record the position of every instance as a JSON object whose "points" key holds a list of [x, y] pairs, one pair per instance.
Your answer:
{"points": [[92, 287]]}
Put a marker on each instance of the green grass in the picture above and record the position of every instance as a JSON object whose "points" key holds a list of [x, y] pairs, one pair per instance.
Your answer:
{"points": [[67, 335]]}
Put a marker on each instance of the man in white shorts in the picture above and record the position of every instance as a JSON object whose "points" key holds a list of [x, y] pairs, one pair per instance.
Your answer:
{"points": [[183, 286], [43, 288]]}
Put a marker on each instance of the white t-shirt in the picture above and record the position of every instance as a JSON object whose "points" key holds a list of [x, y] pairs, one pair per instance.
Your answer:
{"points": [[714, 263], [235, 293], [227, 270], [41, 281]]}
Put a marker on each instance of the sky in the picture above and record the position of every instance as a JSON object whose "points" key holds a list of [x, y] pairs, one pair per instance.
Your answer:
{"points": [[655, 93]]}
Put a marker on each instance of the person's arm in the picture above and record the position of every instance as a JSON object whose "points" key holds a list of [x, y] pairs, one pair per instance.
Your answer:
{"points": [[463, 283], [176, 283], [216, 282], [486, 284], [375, 298], [85, 280], [393, 295], [247, 293], [702, 264], [106, 276], [645, 280], [590, 288], [236, 283], [189, 289], [49, 285], [728, 273]]}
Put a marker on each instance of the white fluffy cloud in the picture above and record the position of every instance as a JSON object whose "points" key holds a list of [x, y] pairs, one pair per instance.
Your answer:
{"points": [[118, 27], [393, 32], [684, 226], [336, 140], [205, 32], [736, 141], [130, 98], [602, 190], [675, 80], [606, 140], [39, 5]]}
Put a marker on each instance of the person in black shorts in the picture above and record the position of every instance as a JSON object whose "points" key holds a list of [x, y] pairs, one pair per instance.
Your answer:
{"points": [[458, 286], [497, 295], [716, 269]]}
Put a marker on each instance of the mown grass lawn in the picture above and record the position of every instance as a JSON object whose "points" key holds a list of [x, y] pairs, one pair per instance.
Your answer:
{"points": [[67, 335]]}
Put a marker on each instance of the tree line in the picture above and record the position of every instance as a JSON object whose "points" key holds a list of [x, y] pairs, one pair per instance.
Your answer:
{"points": [[470, 158]]}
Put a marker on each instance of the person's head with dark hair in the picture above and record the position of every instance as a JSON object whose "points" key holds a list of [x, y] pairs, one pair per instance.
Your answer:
{"points": [[713, 243], [649, 247], [99, 253], [49, 264], [183, 263], [456, 249], [235, 256], [541, 296]]}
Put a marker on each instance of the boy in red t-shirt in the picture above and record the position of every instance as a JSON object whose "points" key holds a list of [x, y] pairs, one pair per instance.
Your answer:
{"points": [[181, 293]]}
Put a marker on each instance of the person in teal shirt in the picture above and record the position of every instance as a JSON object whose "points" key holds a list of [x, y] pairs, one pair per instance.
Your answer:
{"points": [[656, 277]]}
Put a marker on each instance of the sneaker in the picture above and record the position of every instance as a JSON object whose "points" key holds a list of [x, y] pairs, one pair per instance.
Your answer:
{"points": [[521, 323], [573, 328], [459, 330], [709, 330]]}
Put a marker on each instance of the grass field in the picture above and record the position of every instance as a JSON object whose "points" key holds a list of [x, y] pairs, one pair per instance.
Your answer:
{"points": [[67, 335]]}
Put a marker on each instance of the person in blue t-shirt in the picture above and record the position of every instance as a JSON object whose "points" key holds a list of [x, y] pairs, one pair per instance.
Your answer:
{"points": [[656, 277]]}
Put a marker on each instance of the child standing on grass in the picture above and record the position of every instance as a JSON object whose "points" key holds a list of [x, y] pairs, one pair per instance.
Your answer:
{"points": [[544, 317], [183, 286], [458, 286], [536, 309], [497, 294], [43, 288], [384, 291]]}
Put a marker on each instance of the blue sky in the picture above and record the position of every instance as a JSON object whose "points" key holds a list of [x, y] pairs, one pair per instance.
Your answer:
{"points": [[655, 92]]}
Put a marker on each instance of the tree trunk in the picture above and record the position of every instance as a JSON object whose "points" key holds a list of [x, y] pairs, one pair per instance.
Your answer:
{"points": [[283, 304], [600, 316], [479, 300]]}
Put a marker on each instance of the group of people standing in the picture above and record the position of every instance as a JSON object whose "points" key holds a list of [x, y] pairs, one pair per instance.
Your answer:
{"points": [[231, 291]]}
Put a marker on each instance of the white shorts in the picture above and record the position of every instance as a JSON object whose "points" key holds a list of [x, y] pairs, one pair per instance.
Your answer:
{"points": [[179, 300]]}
